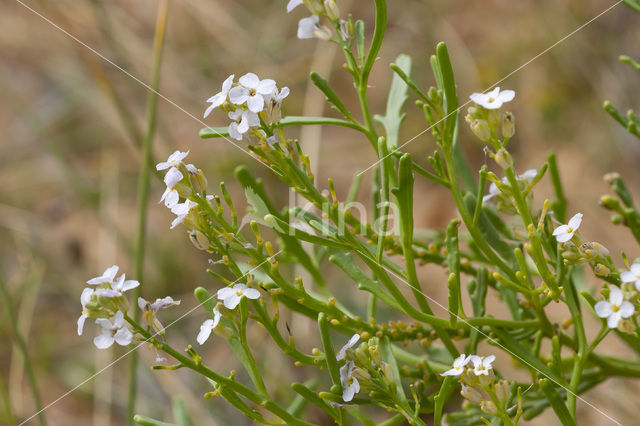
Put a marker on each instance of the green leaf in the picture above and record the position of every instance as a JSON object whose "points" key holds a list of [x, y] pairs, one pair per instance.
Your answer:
{"points": [[313, 398], [223, 132], [387, 355], [332, 97], [396, 100], [205, 298], [359, 35], [214, 132], [633, 4], [449, 91], [557, 403], [345, 262], [404, 196], [330, 356], [446, 389]]}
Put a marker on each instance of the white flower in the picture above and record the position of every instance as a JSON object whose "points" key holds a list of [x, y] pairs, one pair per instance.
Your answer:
{"points": [[615, 309], [170, 195], [493, 99], [354, 339], [564, 233], [482, 365], [632, 275], [350, 385], [231, 296], [307, 27], [118, 287], [293, 4], [149, 311], [458, 366], [252, 90], [207, 327], [181, 210], [112, 332], [107, 277], [85, 298], [493, 188], [243, 120], [174, 160], [221, 97]]}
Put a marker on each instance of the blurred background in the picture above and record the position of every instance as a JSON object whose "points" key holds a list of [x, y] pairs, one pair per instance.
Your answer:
{"points": [[71, 127]]}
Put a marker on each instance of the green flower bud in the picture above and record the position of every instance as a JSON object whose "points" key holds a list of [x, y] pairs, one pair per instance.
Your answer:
{"points": [[502, 390], [489, 407], [503, 158], [331, 9], [480, 128], [508, 125]]}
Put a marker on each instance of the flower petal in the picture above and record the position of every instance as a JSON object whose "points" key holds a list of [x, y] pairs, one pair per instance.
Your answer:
{"points": [[81, 321], [626, 309], [103, 340], [603, 309], [613, 320], [205, 331], [251, 293], [293, 4], [575, 221], [628, 277], [250, 80], [232, 302], [255, 103], [506, 95], [615, 296], [238, 95], [123, 336]]}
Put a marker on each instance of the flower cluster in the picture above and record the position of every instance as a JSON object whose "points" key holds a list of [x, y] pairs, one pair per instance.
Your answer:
{"points": [[181, 180], [484, 119], [230, 297], [310, 27], [247, 103], [478, 382], [105, 302]]}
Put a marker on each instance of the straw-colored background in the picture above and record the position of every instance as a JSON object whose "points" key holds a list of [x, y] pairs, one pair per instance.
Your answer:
{"points": [[69, 162]]}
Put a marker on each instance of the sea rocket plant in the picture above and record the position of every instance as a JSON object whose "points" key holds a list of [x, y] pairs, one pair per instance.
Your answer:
{"points": [[276, 270]]}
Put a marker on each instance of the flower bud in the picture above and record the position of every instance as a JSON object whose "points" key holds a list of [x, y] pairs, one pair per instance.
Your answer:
{"points": [[480, 128], [502, 390], [508, 125], [594, 249], [331, 9], [601, 270], [608, 202], [199, 181], [346, 30], [610, 178], [323, 33], [489, 407], [503, 158], [625, 326], [472, 394], [314, 6], [199, 240]]}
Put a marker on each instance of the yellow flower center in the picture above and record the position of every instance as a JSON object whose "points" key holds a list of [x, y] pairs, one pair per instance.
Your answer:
{"points": [[615, 308], [491, 100], [238, 293]]}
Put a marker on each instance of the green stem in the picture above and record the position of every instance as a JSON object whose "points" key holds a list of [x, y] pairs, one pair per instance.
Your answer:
{"points": [[143, 188], [22, 347], [262, 400]]}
